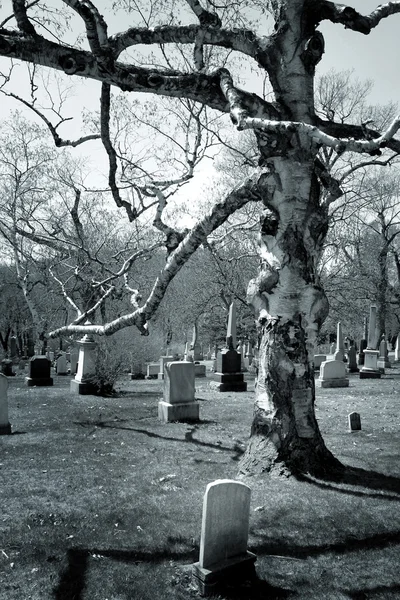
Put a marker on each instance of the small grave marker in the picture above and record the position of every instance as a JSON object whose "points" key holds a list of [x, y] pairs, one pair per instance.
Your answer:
{"points": [[354, 421]]}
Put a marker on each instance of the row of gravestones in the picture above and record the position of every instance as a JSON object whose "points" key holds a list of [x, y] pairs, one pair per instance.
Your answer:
{"points": [[372, 362]]}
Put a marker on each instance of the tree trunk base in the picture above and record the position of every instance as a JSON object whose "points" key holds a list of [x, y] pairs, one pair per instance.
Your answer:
{"points": [[302, 456]]}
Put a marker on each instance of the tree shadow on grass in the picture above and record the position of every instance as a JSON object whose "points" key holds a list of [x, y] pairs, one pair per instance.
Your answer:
{"points": [[387, 487], [378, 541], [187, 439], [72, 581]]}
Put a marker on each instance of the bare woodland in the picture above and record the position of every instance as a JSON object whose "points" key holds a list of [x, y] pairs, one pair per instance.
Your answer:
{"points": [[187, 58]]}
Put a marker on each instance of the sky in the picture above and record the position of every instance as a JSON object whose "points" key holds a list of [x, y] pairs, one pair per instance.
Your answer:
{"points": [[370, 57]]}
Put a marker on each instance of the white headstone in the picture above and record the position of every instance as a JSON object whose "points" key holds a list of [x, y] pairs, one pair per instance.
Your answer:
{"points": [[225, 522], [397, 349], [179, 382], [333, 373], [372, 337], [62, 365]]}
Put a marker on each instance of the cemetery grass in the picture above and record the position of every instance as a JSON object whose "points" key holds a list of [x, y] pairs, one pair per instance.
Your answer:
{"points": [[100, 501]]}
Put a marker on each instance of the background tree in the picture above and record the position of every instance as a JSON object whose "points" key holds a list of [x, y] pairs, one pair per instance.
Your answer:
{"points": [[287, 294]]}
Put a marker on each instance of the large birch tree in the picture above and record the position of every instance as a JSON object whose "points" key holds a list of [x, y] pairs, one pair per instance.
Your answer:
{"points": [[291, 183]]}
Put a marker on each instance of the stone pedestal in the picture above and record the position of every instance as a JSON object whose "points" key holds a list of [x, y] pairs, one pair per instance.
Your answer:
{"points": [[82, 383], [370, 369], [39, 372], [179, 393], [228, 377]]}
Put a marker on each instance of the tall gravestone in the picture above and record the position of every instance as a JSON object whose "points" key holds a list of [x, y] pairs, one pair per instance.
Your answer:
{"points": [[352, 359], [5, 427], [39, 372], [340, 355], [195, 346], [229, 376], [179, 393], [83, 380], [224, 534], [363, 344], [397, 349], [370, 368]]}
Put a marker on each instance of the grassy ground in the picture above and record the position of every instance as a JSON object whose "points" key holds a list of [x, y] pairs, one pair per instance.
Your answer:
{"points": [[100, 501]]}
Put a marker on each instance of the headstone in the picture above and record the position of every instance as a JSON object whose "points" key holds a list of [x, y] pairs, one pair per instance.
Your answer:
{"points": [[199, 370], [61, 365], [179, 401], [51, 355], [231, 329], [224, 534], [354, 422], [13, 347], [6, 367], [383, 358], [74, 355], [370, 368], [332, 374], [39, 372], [229, 376], [332, 349], [83, 383], [361, 355], [152, 371], [340, 343], [318, 360], [195, 346], [352, 359], [5, 427], [397, 349], [137, 370]]}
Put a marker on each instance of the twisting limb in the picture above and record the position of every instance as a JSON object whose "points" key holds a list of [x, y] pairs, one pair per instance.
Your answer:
{"points": [[240, 196], [96, 30], [112, 155], [173, 237], [349, 17], [24, 24]]}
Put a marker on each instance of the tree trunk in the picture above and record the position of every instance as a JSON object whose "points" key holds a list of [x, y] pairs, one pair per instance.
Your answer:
{"points": [[290, 306]]}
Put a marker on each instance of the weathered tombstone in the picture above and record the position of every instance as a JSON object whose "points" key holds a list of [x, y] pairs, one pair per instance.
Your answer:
{"points": [[199, 370], [6, 367], [352, 359], [224, 534], [153, 371], [340, 344], [318, 360], [228, 376], [83, 381], [195, 346], [39, 372], [137, 370], [74, 354], [13, 347], [332, 374], [5, 427], [179, 401], [370, 368], [354, 421], [61, 365], [383, 358]]}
